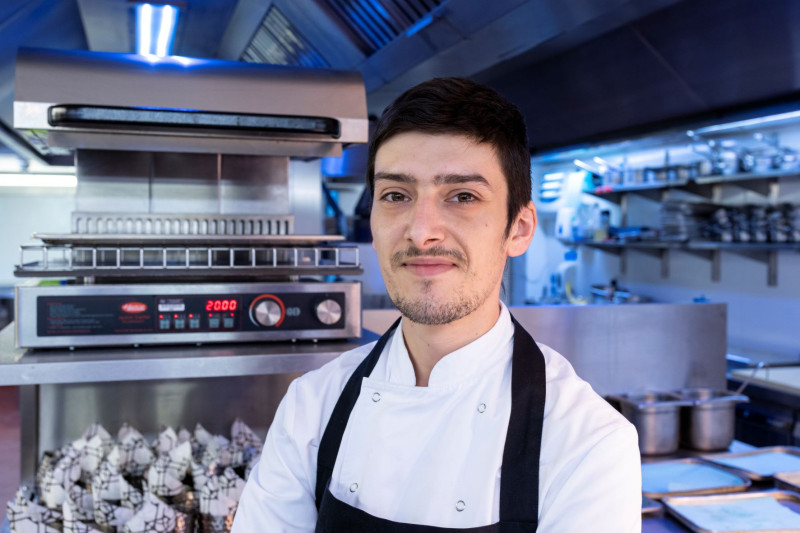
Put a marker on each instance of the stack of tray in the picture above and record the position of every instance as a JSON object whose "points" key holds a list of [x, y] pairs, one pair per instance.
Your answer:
{"points": [[708, 494]]}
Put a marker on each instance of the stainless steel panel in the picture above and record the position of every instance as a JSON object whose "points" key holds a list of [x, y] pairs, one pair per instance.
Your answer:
{"points": [[91, 365], [113, 181], [155, 182], [253, 184], [636, 347], [45, 78], [65, 411], [626, 348]]}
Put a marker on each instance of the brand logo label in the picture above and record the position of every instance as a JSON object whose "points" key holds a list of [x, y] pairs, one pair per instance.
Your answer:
{"points": [[134, 307]]}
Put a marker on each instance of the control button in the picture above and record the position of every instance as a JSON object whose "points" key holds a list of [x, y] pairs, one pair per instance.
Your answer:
{"points": [[227, 322], [329, 311], [267, 311], [213, 321], [180, 321], [194, 322], [163, 323]]}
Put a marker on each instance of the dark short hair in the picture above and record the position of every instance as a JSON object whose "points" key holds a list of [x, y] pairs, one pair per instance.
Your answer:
{"points": [[462, 107]]}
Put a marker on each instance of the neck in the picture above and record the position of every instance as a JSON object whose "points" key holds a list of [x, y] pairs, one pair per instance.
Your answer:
{"points": [[427, 345]]}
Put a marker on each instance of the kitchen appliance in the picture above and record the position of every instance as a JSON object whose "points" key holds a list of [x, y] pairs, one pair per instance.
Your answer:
{"points": [[184, 230]]}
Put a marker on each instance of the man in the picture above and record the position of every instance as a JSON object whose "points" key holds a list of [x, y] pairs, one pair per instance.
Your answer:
{"points": [[455, 418]]}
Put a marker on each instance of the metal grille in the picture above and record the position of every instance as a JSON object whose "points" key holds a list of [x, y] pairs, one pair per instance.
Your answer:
{"points": [[375, 23], [278, 42], [181, 224], [109, 261]]}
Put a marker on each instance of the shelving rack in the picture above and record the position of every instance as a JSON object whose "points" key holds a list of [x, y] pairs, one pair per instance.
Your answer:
{"points": [[708, 187]]}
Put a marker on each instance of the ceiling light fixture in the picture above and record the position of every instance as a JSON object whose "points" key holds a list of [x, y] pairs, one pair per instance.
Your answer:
{"points": [[24, 179], [155, 29]]}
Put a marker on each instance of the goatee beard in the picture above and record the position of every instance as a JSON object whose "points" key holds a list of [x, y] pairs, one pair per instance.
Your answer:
{"points": [[426, 311]]}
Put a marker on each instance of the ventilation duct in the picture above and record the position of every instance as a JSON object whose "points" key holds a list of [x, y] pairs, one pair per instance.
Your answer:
{"points": [[278, 42], [376, 23]]}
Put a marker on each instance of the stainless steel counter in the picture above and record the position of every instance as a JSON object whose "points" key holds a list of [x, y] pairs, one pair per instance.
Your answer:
{"points": [[93, 365]]}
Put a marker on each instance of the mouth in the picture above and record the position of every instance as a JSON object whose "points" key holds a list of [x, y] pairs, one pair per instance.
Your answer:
{"points": [[428, 266]]}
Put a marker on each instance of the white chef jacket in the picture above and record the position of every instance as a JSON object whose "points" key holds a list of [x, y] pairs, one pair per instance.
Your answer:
{"points": [[433, 455]]}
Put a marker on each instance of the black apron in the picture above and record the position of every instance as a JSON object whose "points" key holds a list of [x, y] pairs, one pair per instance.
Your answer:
{"points": [[519, 486]]}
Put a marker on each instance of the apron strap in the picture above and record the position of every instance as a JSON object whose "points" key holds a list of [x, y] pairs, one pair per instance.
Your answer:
{"points": [[519, 482], [334, 431]]}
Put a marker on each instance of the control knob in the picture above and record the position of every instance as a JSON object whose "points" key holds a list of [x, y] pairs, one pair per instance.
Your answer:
{"points": [[267, 311], [329, 311]]}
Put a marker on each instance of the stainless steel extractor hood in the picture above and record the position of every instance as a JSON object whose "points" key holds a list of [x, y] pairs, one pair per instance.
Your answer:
{"points": [[69, 100]]}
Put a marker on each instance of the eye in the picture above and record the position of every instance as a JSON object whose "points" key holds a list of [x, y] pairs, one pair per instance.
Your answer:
{"points": [[394, 196], [463, 198]]}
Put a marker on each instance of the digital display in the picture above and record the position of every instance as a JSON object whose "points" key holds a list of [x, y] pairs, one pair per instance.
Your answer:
{"points": [[222, 305]]}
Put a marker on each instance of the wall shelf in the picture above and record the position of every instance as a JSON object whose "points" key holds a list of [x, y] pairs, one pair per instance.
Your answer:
{"points": [[706, 186], [766, 253]]}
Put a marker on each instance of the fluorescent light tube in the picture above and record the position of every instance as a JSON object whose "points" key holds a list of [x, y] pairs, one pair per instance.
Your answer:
{"points": [[155, 29], [144, 29], [37, 180], [749, 122], [166, 30]]}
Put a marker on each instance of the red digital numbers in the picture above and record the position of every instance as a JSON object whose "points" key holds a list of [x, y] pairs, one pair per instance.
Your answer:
{"points": [[221, 305]]}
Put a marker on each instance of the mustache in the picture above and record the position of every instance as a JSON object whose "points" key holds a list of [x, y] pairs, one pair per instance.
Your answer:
{"points": [[398, 258]]}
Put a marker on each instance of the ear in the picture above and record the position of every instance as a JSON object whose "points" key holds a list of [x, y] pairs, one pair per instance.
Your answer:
{"points": [[521, 233]]}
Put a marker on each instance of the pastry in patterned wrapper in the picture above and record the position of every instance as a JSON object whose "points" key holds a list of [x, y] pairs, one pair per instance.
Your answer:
{"points": [[161, 482], [220, 495], [201, 435], [231, 485], [154, 517], [81, 502], [107, 514], [244, 437], [105, 483], [56, 481], [201, 474], [130, 497], [53, 492], [75, 522], [167, 440], [179, 460], [135, 454], [24, 516], [98, 444]]}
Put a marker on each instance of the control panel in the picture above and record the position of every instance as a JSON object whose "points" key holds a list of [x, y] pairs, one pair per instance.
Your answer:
{"points": [[318, 311]]}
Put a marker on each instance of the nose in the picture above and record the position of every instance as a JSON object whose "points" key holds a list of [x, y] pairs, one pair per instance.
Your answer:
{"points": [[424, 228]]}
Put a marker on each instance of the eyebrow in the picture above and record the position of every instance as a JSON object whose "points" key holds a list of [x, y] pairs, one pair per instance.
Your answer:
{"points": [[441, 179]]}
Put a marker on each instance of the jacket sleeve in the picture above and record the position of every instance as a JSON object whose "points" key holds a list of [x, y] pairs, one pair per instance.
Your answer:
{"points": [[599, 491], [279, 495]]}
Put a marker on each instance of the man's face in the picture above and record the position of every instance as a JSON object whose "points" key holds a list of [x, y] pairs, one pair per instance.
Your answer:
{"points": [[438, 220]]}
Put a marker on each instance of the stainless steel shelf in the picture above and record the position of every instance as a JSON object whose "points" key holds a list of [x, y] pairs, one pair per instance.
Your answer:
{"points": [[39, 367], [702, 185], [763, 252], [200, 261]]}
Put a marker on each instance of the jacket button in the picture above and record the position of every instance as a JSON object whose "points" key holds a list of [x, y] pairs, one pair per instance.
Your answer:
{"points": [[460, 505], [376, 397], [482, 408], [354, 487]]}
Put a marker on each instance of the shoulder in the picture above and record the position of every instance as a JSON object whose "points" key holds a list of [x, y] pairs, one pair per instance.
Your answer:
{"points": [[576, 417], [312, 396]]}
